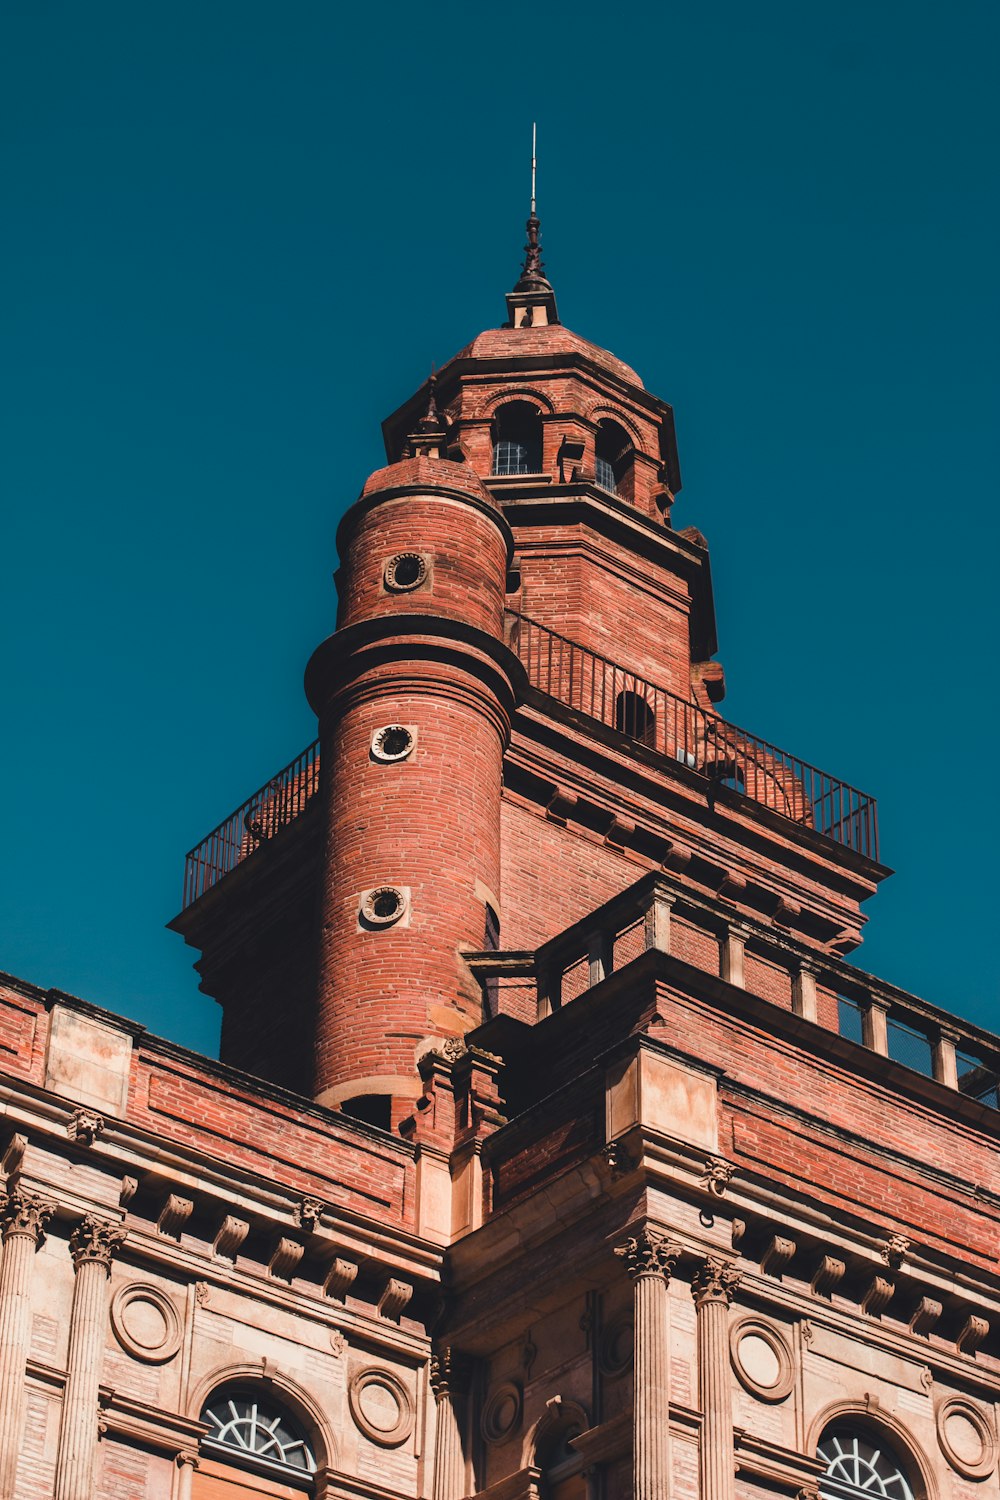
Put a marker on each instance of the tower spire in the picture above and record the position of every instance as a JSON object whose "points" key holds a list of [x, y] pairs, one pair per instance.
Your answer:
{"points": [[532, 292]]}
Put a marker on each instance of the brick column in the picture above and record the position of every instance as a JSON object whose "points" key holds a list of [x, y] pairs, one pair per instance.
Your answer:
{"points": [[92, 1245], [450, 1383], [22, 1227], [712, 1288], [650, 1259]]}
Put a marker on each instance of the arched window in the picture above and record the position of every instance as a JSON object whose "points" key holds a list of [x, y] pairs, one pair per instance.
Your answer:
{"points": [[517, 439], [859, 1466], [634, 717], [561, 1464], [248, 1429], [613, 458]]}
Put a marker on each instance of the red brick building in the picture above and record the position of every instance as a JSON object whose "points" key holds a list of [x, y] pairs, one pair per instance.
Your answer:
{"points": [[555, 1149]]}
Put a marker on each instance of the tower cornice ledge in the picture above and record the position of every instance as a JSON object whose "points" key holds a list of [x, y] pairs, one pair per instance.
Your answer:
{"points": [[389, 639], [442, 478]]}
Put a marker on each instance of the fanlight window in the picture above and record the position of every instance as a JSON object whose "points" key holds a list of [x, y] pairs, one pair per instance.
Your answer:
{"points": [[258, 1431], [858, 1465]]}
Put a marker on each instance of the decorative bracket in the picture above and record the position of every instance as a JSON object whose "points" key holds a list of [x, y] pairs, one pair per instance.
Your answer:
{"points": [[394, 1298], [777, 1255], [174, 1215], [287, 1254], [339, 1278]]}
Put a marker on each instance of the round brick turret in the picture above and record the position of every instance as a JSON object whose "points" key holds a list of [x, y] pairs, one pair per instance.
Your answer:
{"points": [[414, 699]]}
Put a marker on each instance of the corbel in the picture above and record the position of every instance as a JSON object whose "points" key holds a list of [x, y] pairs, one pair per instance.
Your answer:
{"points": [[230, 1236], [339, 1278], [971, 1334], [828, 1275], [777, 1255], [174, 1215], [925, 1315], [395, 1296], [286, 1256], [877, 1296]]}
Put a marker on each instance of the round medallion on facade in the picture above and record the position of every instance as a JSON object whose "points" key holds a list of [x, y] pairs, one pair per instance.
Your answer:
{"points": [[761, 1359], [404, 572], [393, 742], [966, 1438], [502, 1412], [145, 1323], [383, 906], [616, 1353], [381, 1406]]}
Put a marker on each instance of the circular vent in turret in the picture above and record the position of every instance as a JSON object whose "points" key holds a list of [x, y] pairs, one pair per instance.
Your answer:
{"points": [[392, 742], [404, 572]]}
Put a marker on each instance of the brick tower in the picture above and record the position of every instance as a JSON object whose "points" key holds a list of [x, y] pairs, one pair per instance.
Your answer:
{"points": [[556, 1152], [521, 683], [414, 699]]}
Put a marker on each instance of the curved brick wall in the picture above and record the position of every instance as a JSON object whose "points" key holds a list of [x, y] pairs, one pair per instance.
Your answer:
{"points": [[432, 660]]}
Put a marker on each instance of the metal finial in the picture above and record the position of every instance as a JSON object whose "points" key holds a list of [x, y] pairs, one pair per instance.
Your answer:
{"points": [[533, 272], [534, 129], [431, 419]]}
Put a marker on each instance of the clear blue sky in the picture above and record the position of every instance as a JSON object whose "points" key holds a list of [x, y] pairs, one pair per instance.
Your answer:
{"points": [[237, 235]]}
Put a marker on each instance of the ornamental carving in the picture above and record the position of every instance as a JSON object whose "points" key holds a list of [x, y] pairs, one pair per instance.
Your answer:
{"points": [[761, 1359], [84, 1126], [395, 1296], [966, 1438], [450, 1372], [715, 1280], [877, 1297], [95, 1241], [925, 1315], [828, 1275], [649, 1253], [716, 1175], [145, 1323], [894, 1250], [381, 1406], [971, 1334], [308, 1213], [502, 1412], [24, 1214], [618, 1160], [340, 1278]]}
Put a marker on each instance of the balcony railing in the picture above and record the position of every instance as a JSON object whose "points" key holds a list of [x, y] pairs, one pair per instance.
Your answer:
{"points": [[682, 731], [277, 803], [659, 912], [599, 689]]}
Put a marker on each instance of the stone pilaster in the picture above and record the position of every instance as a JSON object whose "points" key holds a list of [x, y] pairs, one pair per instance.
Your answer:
{"points": [[450, 1383], [712, 1287], [650, 1258], [187, 1465], [92, 1245], [22, 1228]]}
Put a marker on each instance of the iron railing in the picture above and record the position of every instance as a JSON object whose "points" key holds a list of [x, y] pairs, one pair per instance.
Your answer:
{"points": [[653, 716], [277, 803], [602, 690]]}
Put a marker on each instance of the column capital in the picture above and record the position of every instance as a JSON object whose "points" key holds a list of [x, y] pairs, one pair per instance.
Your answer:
{"points": [[24, 1214], [95, 1240], [450, 1372], [649, 1253], [715, 1280], [188, 1456]]}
